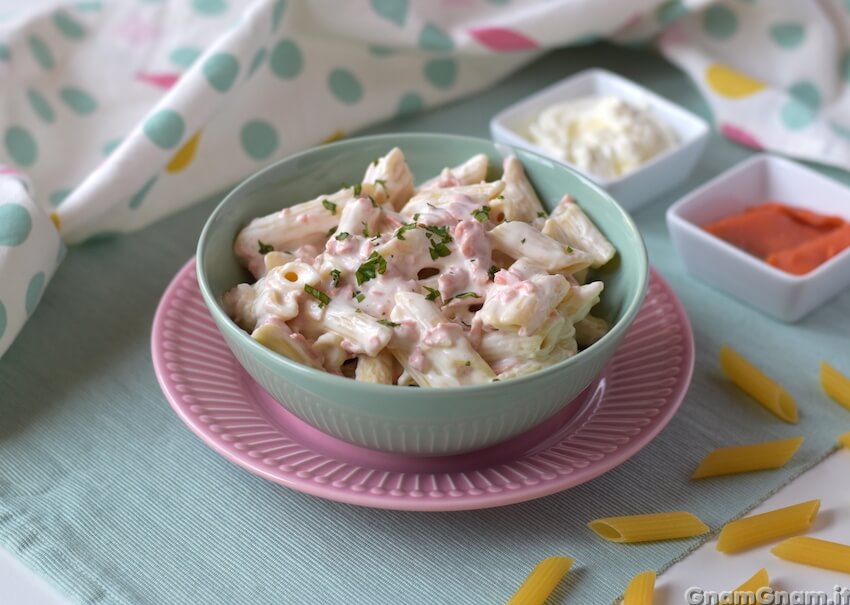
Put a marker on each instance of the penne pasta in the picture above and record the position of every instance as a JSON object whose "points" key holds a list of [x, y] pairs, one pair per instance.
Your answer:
{"points": [[590, 329], [640, 588], [648, 528], [835, 384], [747, 458], [278, 337], [472, 171], [756, 582], [758, 385], [521, 240], [391, 178], [814, 552], [518, 201], [542, 580], [757, 529], [378, 369], [845, 440], [580, 232]]}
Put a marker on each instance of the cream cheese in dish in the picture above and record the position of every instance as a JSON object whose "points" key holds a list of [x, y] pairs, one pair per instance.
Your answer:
{"points": [[459, 281], [603, 135]]}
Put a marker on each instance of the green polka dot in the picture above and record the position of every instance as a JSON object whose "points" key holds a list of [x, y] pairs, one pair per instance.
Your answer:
{"points": [[221, 70], [2, 319], [57, 197], [840, 130], [40, 106], [41, 52], [34, 290], [139, 197], [15, 224], [392, 10], [110, 146], [787, 35], [259, 139], [441, 72], [286, 60], [845, 66], [277, 14], [5, 52], [409, 103], [670, 11], [802, 109], [381, 51], [209, 8], [78, 100], [345, 86], [88, 6], [184, 56], [719, 22], [846, 4], [258, 59], [21, 146], [164, 128], [70, 27], [433, 38]]}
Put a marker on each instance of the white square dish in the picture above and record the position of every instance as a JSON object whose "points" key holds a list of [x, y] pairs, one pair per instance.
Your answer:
{"points": [[636, 188], [760, 179]]}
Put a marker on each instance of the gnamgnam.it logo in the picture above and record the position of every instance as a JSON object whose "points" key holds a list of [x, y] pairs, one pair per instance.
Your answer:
{"points": [[768, 596]]}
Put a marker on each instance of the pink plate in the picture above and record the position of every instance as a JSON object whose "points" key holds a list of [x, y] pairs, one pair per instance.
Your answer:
{"points": [[625, 407]]}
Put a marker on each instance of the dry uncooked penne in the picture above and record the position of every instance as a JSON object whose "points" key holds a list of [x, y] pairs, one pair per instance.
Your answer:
{"points": [[649, 528], [757, 529], [640, 589], [747, 458], [541, 581], [758, 581], [835, 384], [814, 552], [758, 385]]}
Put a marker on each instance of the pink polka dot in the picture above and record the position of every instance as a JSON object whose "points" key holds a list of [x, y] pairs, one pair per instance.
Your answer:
{"points": [[502, 39], [8, 170], [165, 81], [740, 136]]}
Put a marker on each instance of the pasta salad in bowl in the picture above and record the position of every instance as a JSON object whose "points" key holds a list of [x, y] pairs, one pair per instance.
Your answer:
{"points": [[476, 284]]}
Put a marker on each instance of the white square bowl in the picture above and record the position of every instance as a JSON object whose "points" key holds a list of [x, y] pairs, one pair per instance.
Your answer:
{"points": [[632, 190], [759, 179]]}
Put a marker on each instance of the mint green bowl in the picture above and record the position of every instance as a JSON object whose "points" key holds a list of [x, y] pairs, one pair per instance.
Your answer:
{"points": [[417, 421]]}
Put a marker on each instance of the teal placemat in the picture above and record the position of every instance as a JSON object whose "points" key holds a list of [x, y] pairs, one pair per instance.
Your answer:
{"points": [[108, 495]]}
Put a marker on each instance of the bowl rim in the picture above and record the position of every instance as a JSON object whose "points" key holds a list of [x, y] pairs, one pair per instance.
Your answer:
{"points": [[633, 303]]}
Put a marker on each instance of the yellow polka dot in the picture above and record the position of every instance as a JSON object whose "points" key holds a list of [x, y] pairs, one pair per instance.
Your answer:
{"points": [[185, 155], [56, 222], [732, 84], [336, 136]]}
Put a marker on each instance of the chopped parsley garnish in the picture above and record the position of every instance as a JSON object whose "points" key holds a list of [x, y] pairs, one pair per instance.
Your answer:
{"points": [[441, 232], [365, 228], [438, 250], [466, 295], [265, 248], [358, 189], [416, 217], [482, 214], [404, 229], [492, 271], [388, 323], [500, 197], [341, 236], [374, 265], [468, 363], [358, 295], [335, 275], [331, 231], [374, 203], [357, 310], [329, 206], [432, 293], [570, 250], [375, 161], [522, 241], [382, 183], [323, 298], [541, 214]]}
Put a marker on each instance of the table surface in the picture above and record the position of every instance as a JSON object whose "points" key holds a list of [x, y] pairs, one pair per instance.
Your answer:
{"points": [[714, 571]]}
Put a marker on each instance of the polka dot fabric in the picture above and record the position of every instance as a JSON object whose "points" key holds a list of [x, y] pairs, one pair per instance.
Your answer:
{"points": [[163, 103]]}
